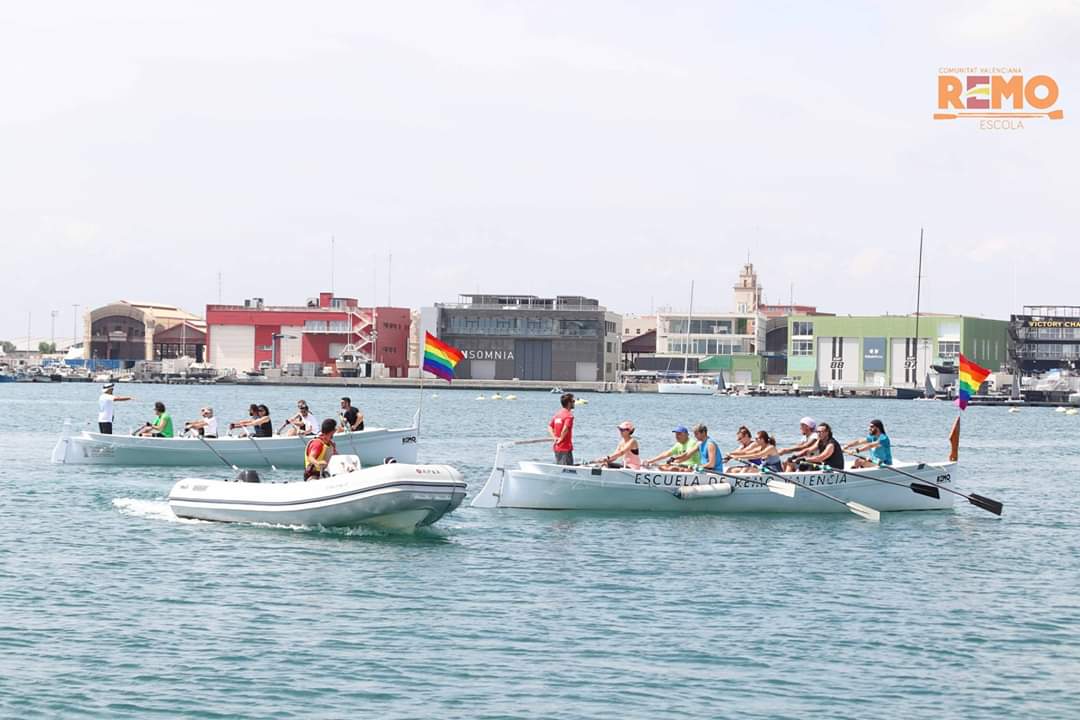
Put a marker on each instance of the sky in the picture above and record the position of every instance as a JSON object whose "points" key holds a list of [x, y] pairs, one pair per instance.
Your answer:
{"points": [[616, 150]]}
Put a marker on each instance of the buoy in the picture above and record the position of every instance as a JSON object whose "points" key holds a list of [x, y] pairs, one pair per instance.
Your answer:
{"points": [[1072, 411], [481, 397], [1014, 409], [434, 395], [581, 401], [511, 397], [1062, 409], [694, 492], [496, 396]]}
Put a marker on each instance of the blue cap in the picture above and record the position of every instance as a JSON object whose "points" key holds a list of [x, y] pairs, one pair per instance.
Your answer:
{"points": [[681, 428]]}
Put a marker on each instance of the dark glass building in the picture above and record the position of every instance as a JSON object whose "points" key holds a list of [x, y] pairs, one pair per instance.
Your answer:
{"points": [[525, 337], [1045, 337]]}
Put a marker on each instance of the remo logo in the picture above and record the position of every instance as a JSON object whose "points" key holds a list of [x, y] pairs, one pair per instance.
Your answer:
{"points": [[999, 98]]}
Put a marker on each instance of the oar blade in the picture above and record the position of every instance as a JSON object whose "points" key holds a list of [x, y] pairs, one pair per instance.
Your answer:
{"points": [[927, 490], [781, 488], [988, 504], [863, 511]]}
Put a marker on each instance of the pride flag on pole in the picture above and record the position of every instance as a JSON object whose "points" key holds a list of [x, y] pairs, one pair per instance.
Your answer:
{"points": [[971, 378], [440, 359]]}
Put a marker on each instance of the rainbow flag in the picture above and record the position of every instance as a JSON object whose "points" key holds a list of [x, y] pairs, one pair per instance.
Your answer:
{"points": [[971, 378], [440, 358]]}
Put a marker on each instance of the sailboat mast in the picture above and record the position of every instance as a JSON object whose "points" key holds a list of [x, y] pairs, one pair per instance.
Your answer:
{"points": [[689, 315], [918, 300]]}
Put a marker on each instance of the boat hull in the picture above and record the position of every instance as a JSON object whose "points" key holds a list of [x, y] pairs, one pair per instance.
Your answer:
{"points": [[685, 389], [543, 486], [373, 446], [396, 497]]}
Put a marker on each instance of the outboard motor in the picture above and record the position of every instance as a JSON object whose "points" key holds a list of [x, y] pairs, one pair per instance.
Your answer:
{"points": [[248, 476], [389, 460]]}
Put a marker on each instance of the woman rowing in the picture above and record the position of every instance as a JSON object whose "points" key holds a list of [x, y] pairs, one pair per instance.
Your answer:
{"points": [[259, 421], [765, 455], [627, 448], [747, 447]]}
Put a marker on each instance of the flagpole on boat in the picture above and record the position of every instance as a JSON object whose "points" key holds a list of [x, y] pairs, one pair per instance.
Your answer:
{"points": [[918, 299]]}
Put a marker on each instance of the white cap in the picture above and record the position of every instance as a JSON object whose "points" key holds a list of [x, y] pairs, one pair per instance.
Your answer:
{"points": [[809, 422]]}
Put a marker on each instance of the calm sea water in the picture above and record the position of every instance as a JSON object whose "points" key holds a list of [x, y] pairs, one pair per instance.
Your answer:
{"points": [[110, 607]]}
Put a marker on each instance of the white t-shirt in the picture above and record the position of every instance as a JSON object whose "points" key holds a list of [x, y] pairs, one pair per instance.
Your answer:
{"points": [[309, 424], [105, 408], [211, 426]]}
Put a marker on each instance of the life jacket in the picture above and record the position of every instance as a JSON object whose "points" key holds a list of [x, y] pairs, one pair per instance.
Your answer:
{"points": [[328, 449]]}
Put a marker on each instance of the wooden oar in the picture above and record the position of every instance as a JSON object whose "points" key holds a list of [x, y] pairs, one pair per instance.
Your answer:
{"points": [[979, 501], [859, 509], [222, 459], [266, 459]]}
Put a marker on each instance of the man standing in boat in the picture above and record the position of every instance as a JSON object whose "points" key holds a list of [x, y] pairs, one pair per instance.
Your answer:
{"points": [[105, 408], [319, 451], [561, 429]]}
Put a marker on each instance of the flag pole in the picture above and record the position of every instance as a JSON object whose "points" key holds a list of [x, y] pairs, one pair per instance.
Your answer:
{"points": [[420, 404]]}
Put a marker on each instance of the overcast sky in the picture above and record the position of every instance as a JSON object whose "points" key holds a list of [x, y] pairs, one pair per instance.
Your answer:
{"points": [[616, 150]]}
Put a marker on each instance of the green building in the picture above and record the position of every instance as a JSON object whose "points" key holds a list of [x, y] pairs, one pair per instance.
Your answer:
{"points": [[882, 351], [736, 369]]}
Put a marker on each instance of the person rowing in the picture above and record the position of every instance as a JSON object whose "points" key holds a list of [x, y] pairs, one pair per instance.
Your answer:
{"points": [[303, 422], [808, 428], [765, 453], [627, 448], [259, 422], [205, 426], [746, 448], [877, 442], [710, 458], [828, 452], [683, 448], [161, 427]]}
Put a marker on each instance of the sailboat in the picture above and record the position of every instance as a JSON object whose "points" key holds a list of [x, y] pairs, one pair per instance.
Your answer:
{"points": [[687, 384]]}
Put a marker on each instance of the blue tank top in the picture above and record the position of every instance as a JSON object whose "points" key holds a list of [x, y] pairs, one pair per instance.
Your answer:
{"points": [[703, 451]]}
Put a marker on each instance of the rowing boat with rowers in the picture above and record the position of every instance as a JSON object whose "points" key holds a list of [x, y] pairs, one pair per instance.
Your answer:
{"points": [[865, 492], [373, 445]]}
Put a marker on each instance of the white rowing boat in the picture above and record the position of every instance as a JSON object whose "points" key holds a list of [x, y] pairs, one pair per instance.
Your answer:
{"points": [[545, 486], [373, 445], [397, 497]]}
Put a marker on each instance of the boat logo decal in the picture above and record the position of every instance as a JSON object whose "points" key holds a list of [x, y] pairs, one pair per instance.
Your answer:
{"points": [[942, 479], [408, 439], [427, 471], [569, 471], [673, 480]]}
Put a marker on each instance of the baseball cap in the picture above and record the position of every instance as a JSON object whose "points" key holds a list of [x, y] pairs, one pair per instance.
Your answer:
{"points": [[107, 386], [809, 422], [680, 428]]}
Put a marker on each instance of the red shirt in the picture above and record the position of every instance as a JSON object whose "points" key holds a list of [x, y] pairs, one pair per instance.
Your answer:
{"points": [[563, 418]]}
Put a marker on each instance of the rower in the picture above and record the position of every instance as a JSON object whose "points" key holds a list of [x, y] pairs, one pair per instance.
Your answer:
{"points": [[259, 421], [352, 419], [161, 426], [319, 451], [303, 422], [828, 451], [709, 455], [745, 451], [808, 429], [877, 442], [205, 425], [765, 454], [683, 448], [628, 448]]}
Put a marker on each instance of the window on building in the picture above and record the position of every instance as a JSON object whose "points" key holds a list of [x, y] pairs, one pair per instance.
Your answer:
{"points": [[948, 348], [802, 328], [802, 347]]}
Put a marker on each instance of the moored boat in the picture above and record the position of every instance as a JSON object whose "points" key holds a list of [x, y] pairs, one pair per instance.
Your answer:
{"points": [[397, 496], [545, 486], [373, 445]]}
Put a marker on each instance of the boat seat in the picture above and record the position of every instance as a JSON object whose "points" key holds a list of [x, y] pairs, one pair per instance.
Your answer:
{"points": [[341, 464], [251, 476]]}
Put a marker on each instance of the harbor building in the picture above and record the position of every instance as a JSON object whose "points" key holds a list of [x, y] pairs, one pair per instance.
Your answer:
{"points": [[566, 338], [326, 331], [1044, 338], [124, 332], [850, 352], [727, 343]]}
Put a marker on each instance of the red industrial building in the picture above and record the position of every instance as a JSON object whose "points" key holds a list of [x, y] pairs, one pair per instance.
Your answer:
{"points": [[255, 336]]}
